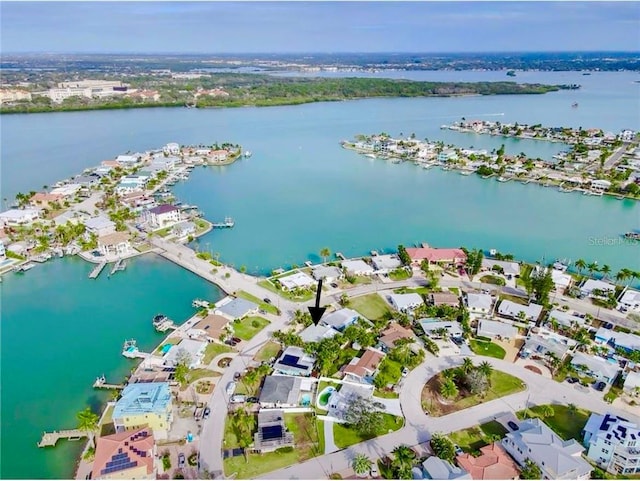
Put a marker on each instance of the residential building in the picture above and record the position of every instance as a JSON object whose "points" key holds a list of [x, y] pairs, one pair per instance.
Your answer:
{"points": [[447, 155], [272, 433], [341, 319], [509, 269], [12, 95], [343, 397], [358, 267], [125, 455], [364, 368], [566, 319], [600, 185], [44, 200], [613, 443], [115, 244], [433, 255], [600, 287], [517, 311], [235, 308], [493, 463], [209, 328], [444, 299], [625, 341], [219, 155], [405, 302], [561, 280], [317, 332], [294, 362], [127, 159], [436, 468], [163, 215], [17, 217], [144, 404], [629, 301], [632, 383], [184, 229], [556, 458], [327, 273], [3, 252], [546, 343], [386, 263], [280, 392], [596, 367], [172, 148], [100, 226], [298, 280], [393, 333], [188, 350], [496, 329], [431, 327], [478, 303]]}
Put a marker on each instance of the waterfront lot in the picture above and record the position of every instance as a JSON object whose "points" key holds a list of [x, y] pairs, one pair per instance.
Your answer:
{"points": [[371, 306], [246, 328]]}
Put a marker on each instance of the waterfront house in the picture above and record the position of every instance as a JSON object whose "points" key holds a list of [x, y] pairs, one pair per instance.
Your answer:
{"points": [[632, 383], [87, 181], [187, 351], [341, 319], [596, 288], [432, 328], [18, 217], [327, 273], [447, 155], [496, 329], [125, 455], [596, 367], [436, 468], [509, 269], [144, 404], [566, 319], [219, 155], [127, 160], [44, 200], [235, 308], [545, 343], [444, 299], [280, 392], [164, 163], [613, 443], [383, 264], [478, 303], [433, 255], [393, 333], [358, 267], [184, 229], [561, 280], [100, 226], [625, 341], [629, 301], [172, 148], [115, 244], [210, 327], [365, 367], [556, 458], [272, 433], [298, 280], [514, 310], [316, 333], [163, 215], [405, 302], [600, 185], [493, 463], [294, 362]]}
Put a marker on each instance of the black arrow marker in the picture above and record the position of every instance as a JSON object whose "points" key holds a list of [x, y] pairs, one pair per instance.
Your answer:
{"points": [[317, 311]]}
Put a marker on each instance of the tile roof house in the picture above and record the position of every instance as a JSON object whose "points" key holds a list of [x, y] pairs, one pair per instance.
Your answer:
{"points": [[116, 243], [210, 327], [436, 255], [613, 443], [444, 299], [272, 432], [393, 333], [364, 368], [144, 404], [294, 362], [556, 458], [493, 463], [280, 392], [125, 455]]}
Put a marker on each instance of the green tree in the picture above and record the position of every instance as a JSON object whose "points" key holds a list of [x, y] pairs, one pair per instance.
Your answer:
{"points": [[476, 381], [605, 270], [547, 411], [448, 389], [181, 373], [365, 415], [542, 284], [442, 447], [242, 424], [324, 253], [361, 464], [403, 459], [530, 470], [486, 368], [580, 264], [344, 299], [88, 422], [592, 267], [467, 365], [403, 255]]}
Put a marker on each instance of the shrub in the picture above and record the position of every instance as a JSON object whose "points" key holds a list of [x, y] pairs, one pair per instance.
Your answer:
{"points": [[286, 449]]}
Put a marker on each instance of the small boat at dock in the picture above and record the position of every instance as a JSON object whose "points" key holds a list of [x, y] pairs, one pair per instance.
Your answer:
{"points": [[161, 323], [200, 303], [120, 265], [130, 349], [227, 224], [371, 156], [466, 172], [502, 179], [374, 253], [24, 268], [632, 235]]}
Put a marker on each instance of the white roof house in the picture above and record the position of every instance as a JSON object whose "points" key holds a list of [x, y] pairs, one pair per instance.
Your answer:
{"points": [[478, 303], [511, 309], [630, 300], [547, 342], [597, 367], [127, 159], [190, 349], [429, 326], [341, 318], [557, 459], [509, 268], [491, 329], [328, 273], [405, 302], [632, 382], [358, 267], [315, 333], [297, 280], [386, 263], [594, 284], [561, 280], [566, 319], [436, 468], [100, 225], [18, 216], [630, 342]]}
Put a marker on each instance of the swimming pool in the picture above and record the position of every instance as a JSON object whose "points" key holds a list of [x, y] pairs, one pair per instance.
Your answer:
{"points": [[166, 347], [323, 397], [305, 400]]}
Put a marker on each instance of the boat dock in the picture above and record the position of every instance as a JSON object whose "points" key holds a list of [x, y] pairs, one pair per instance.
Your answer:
{"points": [[50, 439], [227, 224], [130, 350], [101, 383], [340, 256], [97, 270], [120, 265]]}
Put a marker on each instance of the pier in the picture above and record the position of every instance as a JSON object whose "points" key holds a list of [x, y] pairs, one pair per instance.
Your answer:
{"points": [[120, 265], [50, 439], [227, 224], [97, 270], [340, 256], [101, 383]]}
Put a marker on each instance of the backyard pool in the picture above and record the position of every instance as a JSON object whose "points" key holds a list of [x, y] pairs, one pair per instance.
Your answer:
{"points": [[325, 394]]}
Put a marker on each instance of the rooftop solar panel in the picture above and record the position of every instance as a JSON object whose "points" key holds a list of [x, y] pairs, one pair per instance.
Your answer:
{"points": [[271, 432]]}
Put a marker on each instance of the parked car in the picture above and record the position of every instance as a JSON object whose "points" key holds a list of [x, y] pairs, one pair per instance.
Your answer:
{"points": [[334, 285], [252, 399], [181, 460], [236, 376], [267, 300], [238, 398], [231, 388], [374, 470], [206, 413], [458, 450], [236, 339], [572, 380], [405, 371], [608, 325], [600, 385], [230, 342], [513, 425]]}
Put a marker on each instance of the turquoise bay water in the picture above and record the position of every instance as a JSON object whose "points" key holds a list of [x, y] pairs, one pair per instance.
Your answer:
{"points": [[298, 193], [60, 330]]}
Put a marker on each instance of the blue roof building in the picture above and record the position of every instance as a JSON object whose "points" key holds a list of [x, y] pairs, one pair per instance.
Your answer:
{"points": [[144, 404]]}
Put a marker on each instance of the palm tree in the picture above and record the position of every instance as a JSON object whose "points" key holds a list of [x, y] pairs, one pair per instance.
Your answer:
{"points": [[592, 267], [403, 460], [606, 270], [580, 265], [572, 408], [449, 390], [547, 411], [88, 422], [324, 253], [622, 275], [361, 464], [486, 368], [467, 365]]}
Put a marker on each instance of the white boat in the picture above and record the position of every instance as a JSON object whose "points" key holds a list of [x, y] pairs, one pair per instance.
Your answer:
{"points": [[502, 179], [199, 303], [466, 172], [247, 153], [25, 267], [371, 156]]}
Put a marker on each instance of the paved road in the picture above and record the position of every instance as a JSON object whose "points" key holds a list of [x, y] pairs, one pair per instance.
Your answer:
{"points": [[419, 426]]}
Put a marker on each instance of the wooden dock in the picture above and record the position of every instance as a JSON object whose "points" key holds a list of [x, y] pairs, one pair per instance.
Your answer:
{"points": [[97, 270], [50, 439], [101, 383]]}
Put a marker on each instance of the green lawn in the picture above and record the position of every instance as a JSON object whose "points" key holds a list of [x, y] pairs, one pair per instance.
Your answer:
{"points": [[305, 296], [516, 299], [344, 436], [371, 306], [266, 352], [213, 349], [484, 348], [407, 290], [567, 425], [389, 371], [357, 280], [386, 394], [248, 327], [472, 439], [344, 356], [495, 280], [400, 274], [320, 428], [307, 445], [270, 308]]}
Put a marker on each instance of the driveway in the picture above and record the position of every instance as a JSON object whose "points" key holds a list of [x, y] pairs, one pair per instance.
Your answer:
{"points": [[391, 406]]}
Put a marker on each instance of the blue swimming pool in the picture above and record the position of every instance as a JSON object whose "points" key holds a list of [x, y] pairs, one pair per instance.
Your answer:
{"points": [[305, 400]]}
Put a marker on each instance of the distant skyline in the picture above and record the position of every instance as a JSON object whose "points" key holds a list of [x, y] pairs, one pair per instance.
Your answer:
{"points": [[327, 27]]}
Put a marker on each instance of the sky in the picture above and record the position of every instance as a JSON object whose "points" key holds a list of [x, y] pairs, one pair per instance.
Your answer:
{"points": [[331, 27]]}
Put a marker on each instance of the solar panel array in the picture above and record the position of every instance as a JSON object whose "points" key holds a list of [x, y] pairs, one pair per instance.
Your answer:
{"points": [[292, 361], [271, 432], [119, 462]]}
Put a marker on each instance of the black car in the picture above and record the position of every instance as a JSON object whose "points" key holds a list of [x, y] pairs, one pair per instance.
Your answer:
{"points": [[181, 460], [252, 399], [513, 425], [236, 376], [334, 285], [236, 339], [608, 325], [600, 385], [267, 300], [572, 380], [230, 342], [206, 413]]}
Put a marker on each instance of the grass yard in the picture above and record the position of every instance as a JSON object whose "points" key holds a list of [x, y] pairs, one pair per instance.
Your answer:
{"points": [[270, 308], [386, 394], [400, 274], [213, 349], [408, 290], [266, 352], [516, 299], [307, 445], [344, 436], [248, 327], [474, 438], [485, 348], [566, 424], [495, 280], [304, 296], [371, 306], [344, 356], [389, 371]]}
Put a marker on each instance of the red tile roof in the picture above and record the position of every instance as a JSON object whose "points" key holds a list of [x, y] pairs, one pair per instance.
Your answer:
{"points": [[493, 463], [434, 254], [394, 332], [366, 365], [137, 444]]}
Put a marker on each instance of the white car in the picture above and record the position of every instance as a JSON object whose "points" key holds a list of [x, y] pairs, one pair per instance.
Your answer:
{"points": [[405, 371], [231, 388], [238, 398], [374, 470]]}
